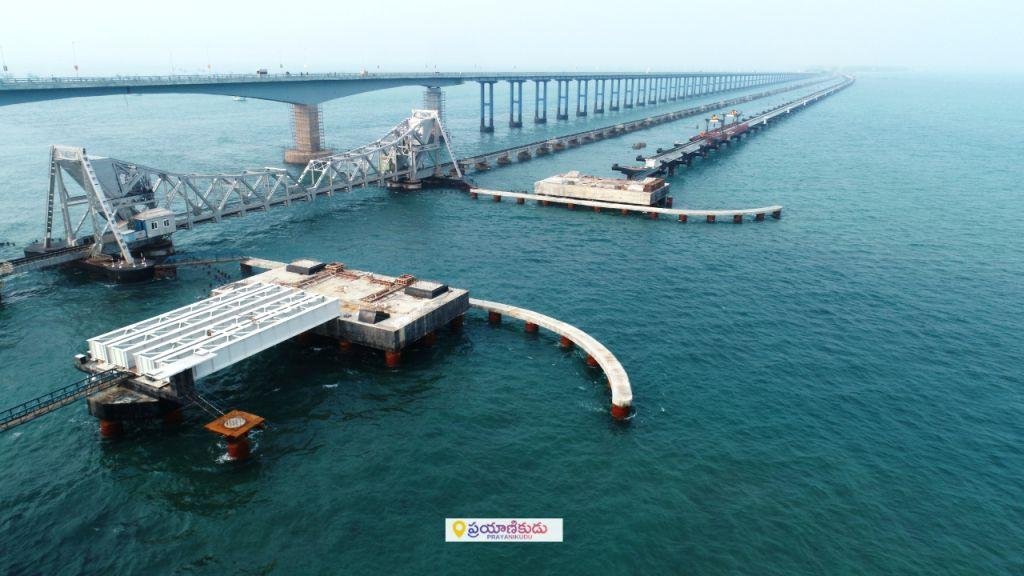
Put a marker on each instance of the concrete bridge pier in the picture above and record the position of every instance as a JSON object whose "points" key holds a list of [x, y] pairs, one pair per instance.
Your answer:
{"points": [[487, 106], [630, 87], [563, 100], [540, 102], [613, 100], [662, 90], [641, 92], [515, 103], [582, 86], [307, 133], [599, 86]]}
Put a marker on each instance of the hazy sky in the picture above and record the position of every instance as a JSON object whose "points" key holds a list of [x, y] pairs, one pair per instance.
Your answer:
{"points": [[189, 36]]}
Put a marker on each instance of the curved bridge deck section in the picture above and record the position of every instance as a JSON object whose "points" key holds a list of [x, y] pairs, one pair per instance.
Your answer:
{"points": [[683, 214], [618, 381]]}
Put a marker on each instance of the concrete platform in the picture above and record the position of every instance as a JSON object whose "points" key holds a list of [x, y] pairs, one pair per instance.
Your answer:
{"points": [[382, 312], [647, 192]]}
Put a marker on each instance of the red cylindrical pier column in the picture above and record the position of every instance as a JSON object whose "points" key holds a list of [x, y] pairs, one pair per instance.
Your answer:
{"points": [[570, 206], [493, 317], [682, 218], [737, 218], [392, 358], [597, 208], [711, 218], [777, 214], [591, 361], [496, 197], [542, 202], [456, 323], [759, 216], [531, 328], [473, 195], [430, 338], [239, 448], [110, 428], [344, 345], [652, 215], [620, 412], [565, 343], [173, 417], [624, 211], [668, 201], [520, 200]]}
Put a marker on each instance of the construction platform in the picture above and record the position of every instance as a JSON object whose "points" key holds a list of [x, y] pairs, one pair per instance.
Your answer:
{"points": [[646, 192], [376, 311]]}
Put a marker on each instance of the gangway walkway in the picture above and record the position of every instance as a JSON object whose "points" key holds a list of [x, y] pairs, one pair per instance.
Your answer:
{"points": [[61, 256], [61, 397]]}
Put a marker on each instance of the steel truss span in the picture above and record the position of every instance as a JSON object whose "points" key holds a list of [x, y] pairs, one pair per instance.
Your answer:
{"points": [[121, 206]]}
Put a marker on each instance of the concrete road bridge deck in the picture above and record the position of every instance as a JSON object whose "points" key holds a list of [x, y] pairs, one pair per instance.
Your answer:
{"points": [[523, 152], [306, 92]]}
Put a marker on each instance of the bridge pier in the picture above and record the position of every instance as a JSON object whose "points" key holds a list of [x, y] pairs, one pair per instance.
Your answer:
{"points": [[563, 100], [308, 135], [652, 91], [581, 97], [487, 106], [662, 89], [515, 103], [540, 102], [613, 101], [630, 85], [641, 92], [599, 86]]}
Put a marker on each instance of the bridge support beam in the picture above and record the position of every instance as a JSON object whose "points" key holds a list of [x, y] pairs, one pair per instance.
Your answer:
{"points": [[563, 100], [515, 103], [613, 100], [308, 134], [599, 86], [630, 86], [540, 102], [641, 92], [486, 106], [582, 86]]}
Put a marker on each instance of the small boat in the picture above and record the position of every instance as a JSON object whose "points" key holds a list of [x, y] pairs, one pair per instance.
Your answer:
{"points": [[639, 145], [239, 98]]}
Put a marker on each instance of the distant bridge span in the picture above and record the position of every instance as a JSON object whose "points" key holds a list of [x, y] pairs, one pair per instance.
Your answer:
{"points": [[307, 91]]}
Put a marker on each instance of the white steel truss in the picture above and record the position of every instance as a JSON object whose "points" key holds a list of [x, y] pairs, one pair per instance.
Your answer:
{"points": [[114, 191]]}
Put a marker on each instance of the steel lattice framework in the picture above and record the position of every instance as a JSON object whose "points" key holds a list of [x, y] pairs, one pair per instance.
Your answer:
{"points": [[115, 191], [410, 150]]}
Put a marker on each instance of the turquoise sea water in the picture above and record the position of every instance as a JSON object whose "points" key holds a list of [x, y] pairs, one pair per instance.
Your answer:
{"points": [[838, 392]]}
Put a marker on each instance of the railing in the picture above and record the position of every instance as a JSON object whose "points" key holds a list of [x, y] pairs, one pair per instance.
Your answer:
{"points": [[102, 81], [59, 398]]}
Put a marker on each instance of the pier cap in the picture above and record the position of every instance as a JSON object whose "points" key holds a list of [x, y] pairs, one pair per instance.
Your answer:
{"points": [[235, 424]]}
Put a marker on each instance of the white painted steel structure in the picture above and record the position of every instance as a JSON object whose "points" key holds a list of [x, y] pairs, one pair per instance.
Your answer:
{"points": [[240, 320], [115, 194]]}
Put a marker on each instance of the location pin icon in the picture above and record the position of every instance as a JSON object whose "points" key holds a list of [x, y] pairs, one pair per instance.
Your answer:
{"points": [[459, 527]]}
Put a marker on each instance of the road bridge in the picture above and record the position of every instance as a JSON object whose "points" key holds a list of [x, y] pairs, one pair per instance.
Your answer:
{"points": [[306, 92]]}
